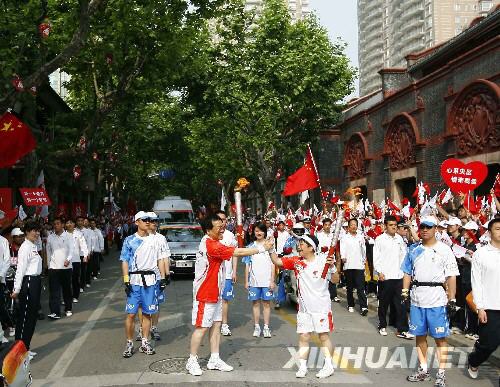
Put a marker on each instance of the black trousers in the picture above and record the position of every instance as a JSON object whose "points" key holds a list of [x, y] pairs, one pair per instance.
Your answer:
{"points": [[389, 291], [355, 279], [60, 279], [96, 264], [489, 339], [75, 279], [5, 317], [332, 289], [88, 271], [83, 273], [29, 300]]}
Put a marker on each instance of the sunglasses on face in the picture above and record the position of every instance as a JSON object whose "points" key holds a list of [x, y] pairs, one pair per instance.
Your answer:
{"points": [[425, 227], [146, 220]]}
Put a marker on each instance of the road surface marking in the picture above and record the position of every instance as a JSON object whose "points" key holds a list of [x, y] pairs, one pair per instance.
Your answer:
{"points": [[59, 369]]}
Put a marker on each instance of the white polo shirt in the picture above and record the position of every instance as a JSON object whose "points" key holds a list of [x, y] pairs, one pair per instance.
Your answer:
{"points": [[353, 250], [388, 255], [486, 277]]}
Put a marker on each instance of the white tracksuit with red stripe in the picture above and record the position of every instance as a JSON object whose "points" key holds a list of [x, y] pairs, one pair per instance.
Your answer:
{"points": [[209, 281]]}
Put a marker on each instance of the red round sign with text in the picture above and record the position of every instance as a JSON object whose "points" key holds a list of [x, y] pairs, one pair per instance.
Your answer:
{"points": [[462, 177]]}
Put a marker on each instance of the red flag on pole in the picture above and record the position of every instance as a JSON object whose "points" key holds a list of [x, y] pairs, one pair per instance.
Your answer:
{"points": [[16, 140], [304, 178]]}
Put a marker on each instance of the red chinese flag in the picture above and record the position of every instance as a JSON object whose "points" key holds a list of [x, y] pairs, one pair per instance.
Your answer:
{"points": [[470, 205], [16, 140], [303, 179]]}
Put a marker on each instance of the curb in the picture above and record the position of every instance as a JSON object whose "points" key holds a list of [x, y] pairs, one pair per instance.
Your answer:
{"points": [[454, 340]]}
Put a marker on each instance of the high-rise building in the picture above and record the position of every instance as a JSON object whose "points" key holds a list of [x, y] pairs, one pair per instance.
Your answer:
{"points": [[298, 8], [391, 29]]}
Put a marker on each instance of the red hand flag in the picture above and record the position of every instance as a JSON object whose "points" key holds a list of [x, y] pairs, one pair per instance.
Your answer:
{"points": [[303, 179], [16, 140]]}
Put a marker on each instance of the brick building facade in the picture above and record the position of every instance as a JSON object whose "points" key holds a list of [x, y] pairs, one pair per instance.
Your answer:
{"points": [[443, 104]]}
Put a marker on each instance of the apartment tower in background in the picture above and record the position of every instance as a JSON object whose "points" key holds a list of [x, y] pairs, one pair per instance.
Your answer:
{"points": [[298, 8], [391, 29]]}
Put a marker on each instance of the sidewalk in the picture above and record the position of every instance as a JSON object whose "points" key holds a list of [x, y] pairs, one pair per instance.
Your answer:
{"points": [[453, 339]]}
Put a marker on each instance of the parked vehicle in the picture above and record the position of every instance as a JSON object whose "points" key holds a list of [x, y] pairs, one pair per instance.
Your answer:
{"points": [[183, 241], [174, 209]]}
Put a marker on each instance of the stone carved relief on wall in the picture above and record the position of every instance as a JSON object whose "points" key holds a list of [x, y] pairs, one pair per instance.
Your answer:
{"points": [[355, 156], [400, 142], [474, 119]]}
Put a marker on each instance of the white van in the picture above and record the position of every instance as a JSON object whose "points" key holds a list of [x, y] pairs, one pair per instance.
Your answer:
{"points": [[174, 209]]}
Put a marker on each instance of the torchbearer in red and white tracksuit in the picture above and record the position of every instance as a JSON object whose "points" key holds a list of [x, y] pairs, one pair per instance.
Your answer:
{"points": [[207, 292], [315, 308]]}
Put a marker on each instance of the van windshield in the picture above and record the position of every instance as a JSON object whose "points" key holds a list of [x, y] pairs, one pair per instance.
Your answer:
{"points": [[176, 217], [182, 234]]}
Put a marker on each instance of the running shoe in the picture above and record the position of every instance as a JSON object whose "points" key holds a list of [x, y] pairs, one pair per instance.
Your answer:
{"points": [[440, 379], [419, 376], [336, 299], [224, 330], [325, 372], [69, 313], [53, 316], [473, 372], [364, 311], [193, 367], [129, 349], [277, 305], [256, 331], [154, 333], [75, 300], [350, 309], [88, 285], [147, 349], [301, 373], [405, 335], [266, 332], [219, 365], [382, 331]]}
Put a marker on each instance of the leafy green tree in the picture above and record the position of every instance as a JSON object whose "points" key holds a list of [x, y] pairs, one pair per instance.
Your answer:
{"points": [[266, 88]]}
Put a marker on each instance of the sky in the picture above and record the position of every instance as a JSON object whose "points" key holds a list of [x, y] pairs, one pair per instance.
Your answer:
{"points": [[339, 17]]}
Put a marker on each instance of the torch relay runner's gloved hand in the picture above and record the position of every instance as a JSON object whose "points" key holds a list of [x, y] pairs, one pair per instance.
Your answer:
{"points": [[405, 298], [127, 286], [451, 308], [164, 282]]}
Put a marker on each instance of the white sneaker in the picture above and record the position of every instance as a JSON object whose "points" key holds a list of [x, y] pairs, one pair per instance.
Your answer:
{"points": [[325, 372], [87, 286], [224, 330], [193, 367], [32, 354], [81, 290], [256, 331], [350, 309], [94, 278], [219, 365], [382, 331], [472, 373], [301, 373], [69, 313], [75, 300], [266, 332]]}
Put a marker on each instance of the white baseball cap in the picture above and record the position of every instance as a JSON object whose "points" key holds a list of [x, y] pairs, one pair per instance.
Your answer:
{"points": [[152, 215], [430, 221], [443, 224], [454, 221], [141, 215], [16, 232], [471, 225]]}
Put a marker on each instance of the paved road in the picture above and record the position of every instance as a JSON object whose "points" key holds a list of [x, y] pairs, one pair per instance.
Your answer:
{"points": [[85, 349]]}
